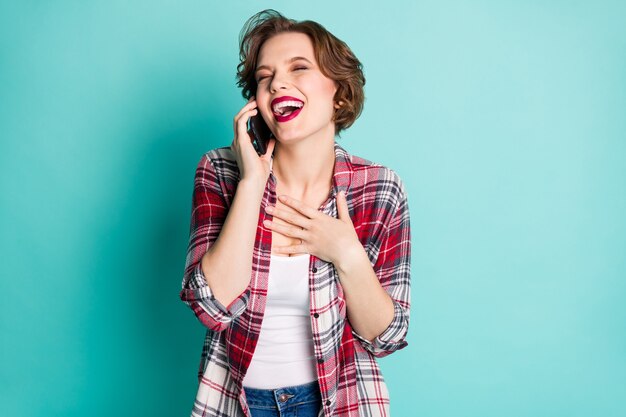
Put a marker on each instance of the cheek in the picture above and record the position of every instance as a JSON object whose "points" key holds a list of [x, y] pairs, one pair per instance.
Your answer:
{"points": [[329, 89], [260, 92], [260, 98], [324, 91]]}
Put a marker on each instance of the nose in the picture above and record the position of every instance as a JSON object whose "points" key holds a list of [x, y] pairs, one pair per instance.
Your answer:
{"points": [[278, 82]]}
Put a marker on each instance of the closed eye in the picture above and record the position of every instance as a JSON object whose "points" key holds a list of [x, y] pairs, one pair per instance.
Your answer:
{"points": [[261, 78], [295, 69]]}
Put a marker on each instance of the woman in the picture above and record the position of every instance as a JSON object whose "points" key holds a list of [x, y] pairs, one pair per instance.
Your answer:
{"points": [[299, 293]]}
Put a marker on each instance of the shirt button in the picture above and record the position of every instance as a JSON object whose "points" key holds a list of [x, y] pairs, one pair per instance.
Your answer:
{"points": [[316, 315], [327, 402], [314, 269]]}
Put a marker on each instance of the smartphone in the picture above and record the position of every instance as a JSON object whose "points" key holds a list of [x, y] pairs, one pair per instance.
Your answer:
{"points": [[259, 132]]}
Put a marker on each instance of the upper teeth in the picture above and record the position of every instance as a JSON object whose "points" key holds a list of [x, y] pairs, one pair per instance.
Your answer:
{"points": [[286, 103]]}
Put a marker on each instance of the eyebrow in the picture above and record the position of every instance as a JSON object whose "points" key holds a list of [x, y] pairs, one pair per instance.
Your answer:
{"points": [[290, 60]]}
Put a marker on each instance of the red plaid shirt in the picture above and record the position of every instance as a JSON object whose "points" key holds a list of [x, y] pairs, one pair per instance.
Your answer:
{"points": [[350, 380]]}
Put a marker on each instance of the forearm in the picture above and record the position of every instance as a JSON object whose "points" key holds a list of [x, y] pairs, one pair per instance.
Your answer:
{"points": [[370, 309], [227, 265]]}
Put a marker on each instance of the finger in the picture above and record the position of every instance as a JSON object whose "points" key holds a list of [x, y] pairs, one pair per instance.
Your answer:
{"points": [[295, 219], [241, 120], [242, 125], [299, 248], [294, 248], [342, 207], [286, 230], [270, 149], [308, 211], [251, 104]]}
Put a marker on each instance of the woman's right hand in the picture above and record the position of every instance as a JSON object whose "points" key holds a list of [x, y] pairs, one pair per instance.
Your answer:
{"points": [[252, 167]]}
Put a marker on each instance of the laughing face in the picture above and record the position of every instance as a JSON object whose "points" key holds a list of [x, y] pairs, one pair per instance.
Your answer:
{"points": [[293, 96]]}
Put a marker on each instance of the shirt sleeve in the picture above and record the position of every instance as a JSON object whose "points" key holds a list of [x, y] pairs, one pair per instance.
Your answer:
{"points": [[208, 213], [393, 269]]}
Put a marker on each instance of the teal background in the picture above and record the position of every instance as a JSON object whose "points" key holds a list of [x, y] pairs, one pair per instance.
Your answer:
{"points": [[505, 119]]}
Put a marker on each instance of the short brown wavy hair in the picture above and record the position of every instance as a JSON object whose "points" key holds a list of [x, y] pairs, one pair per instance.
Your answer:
{"points": [[334, 57]]}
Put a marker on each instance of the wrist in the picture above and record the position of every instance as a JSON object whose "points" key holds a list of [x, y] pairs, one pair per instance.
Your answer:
{"points": [[251, 187], [350, 258]]}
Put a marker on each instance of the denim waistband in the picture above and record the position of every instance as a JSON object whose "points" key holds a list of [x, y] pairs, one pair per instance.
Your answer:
{"points": [[283, 397]]}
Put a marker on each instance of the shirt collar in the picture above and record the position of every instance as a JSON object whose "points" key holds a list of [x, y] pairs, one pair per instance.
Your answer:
{"points": [[342, 176]]}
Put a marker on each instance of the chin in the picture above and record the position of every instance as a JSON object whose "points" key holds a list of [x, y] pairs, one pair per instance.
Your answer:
{"points": [[289, 137]]}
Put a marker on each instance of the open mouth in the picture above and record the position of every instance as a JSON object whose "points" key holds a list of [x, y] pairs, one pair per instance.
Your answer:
{"points": [[287, 110]]}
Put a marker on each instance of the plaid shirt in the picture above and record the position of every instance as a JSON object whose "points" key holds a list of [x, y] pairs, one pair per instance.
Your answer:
{"points": [[350, 380]]}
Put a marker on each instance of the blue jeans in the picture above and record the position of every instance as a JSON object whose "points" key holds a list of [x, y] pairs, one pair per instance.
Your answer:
{"points": [[298, 401]]}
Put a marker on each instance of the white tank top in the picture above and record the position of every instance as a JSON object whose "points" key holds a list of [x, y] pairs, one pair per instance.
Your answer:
{"points": [[284, 354]]}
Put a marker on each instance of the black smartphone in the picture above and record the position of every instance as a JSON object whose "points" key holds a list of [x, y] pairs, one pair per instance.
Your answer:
{"points": [[259, 132]]}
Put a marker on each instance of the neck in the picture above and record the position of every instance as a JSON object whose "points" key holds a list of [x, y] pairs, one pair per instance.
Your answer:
{"points": [[304, 167]]}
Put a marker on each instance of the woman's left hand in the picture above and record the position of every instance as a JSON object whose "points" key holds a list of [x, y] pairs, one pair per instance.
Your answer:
{"points": [[321, 235]]}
